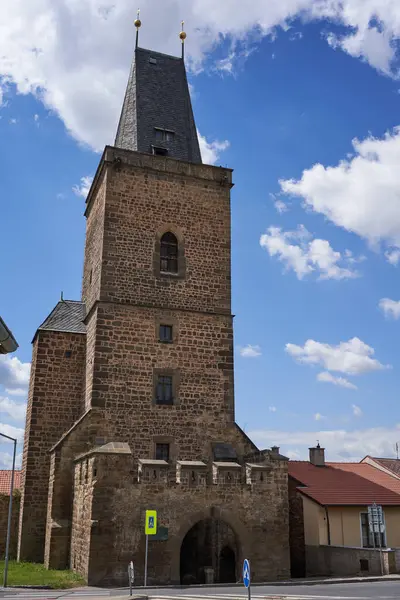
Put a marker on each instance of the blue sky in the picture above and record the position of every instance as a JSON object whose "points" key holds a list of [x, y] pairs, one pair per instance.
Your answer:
{"points": [[305, 111]]}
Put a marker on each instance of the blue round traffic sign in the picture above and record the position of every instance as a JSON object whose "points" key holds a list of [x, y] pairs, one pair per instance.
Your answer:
{"points": [[246, 573]]}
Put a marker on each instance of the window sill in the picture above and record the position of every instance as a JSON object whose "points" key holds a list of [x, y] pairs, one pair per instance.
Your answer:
{"points": [[169, 274], [166, 405], [165, 341]]}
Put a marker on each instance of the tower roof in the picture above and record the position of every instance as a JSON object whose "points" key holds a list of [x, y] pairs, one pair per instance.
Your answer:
{"points": [[67, 316], [157, 114]]}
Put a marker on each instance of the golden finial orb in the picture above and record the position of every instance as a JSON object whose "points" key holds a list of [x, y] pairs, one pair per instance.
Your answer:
{"points": [[182, 34], [138, 22]]}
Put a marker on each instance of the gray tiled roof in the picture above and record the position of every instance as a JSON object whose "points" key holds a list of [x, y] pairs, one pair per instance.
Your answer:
{"points": [[157, 96], [68, 316]]}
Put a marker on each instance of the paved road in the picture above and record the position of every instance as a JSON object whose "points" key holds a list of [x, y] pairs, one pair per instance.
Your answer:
{"points": [[385, 590]]}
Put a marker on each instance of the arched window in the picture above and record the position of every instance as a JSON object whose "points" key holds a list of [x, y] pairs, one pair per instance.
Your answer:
{"points": [[169, 253]]}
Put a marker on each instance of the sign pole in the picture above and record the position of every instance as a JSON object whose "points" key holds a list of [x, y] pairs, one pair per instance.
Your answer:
{"points": [[145, 560], [247, 577], [380, 524], [150, 528]]}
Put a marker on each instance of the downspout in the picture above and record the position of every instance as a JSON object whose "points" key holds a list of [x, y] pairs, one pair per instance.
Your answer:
{"points": [[328, 527]]}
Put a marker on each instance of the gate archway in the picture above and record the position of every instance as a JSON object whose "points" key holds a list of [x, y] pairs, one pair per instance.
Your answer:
{"points": [[210, 544]]}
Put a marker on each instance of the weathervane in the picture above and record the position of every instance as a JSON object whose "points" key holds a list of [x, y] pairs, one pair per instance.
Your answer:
{"points": [[138, 24], [182, 35]]}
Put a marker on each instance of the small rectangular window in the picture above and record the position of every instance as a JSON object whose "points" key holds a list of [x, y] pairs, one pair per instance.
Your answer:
{"points": [[164, 394], [165, 334], [163, 135], [68, 353], [162, 452], [160, 151]]}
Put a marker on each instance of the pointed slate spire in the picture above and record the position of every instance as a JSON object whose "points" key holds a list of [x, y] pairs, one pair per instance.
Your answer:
{"points": [[157, 114]]}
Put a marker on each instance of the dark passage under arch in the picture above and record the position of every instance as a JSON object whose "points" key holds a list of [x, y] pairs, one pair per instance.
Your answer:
{"points": [[209, 544]]}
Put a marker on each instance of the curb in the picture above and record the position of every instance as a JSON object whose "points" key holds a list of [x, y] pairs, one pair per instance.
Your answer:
{"points": [[290, 583]]}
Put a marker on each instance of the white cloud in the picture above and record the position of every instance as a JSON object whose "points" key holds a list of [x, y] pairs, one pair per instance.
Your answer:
{"points": [[357, 412], [6, 460], [13, 121], [393, 257], [14, 374], [361, 194], [14, 432], [250, 351], [319, 417], [83, 188], [84, 85], [280, 206], [351, 358], [390, 308], [327, 377], [13, 409], [16, 391], [304, 255], [210, 151], [339, 444], [272, 408], [371, 45]]}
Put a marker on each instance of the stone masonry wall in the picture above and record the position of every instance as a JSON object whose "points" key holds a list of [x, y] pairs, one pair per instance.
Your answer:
{"points": [[346, 561], [82, 516], [79, 439], [296, 531], [4, 504], [54, 403], [128, 357], [94, 247], [257, 514], [142, 203], [28, 421]]}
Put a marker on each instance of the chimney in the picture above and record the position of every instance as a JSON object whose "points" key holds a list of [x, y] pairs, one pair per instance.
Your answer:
{"points": [[317, 456], [275, 450]]}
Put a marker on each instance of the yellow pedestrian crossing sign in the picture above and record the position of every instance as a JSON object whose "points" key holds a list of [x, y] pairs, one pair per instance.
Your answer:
{"points": [[151, 522]]}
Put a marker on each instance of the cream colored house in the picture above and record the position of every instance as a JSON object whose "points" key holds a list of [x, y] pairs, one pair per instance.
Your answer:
{"points": [[334, 500]]}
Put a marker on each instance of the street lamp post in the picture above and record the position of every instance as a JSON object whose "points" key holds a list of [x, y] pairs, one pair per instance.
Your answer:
{"points": [[9, 508]]}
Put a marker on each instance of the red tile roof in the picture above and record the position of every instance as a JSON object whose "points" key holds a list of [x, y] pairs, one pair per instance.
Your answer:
{"points": [[330, 485], [391, 464], [5, 481], [371, 473]]}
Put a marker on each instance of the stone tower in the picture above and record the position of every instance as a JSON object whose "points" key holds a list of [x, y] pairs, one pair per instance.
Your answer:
{"points": [[131, 403]]}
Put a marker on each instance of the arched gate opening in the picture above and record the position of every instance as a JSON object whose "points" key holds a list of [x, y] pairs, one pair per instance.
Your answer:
{"points": [[211, 544]]}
